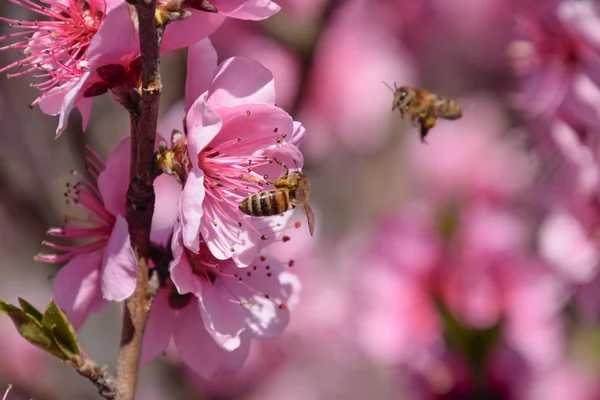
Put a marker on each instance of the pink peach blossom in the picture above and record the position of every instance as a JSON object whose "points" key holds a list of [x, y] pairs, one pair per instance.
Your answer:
{"points": [[482, 275], [220, 308], [81, 37], [235, 133], [56, 49], [559, 49], [104, 267]]}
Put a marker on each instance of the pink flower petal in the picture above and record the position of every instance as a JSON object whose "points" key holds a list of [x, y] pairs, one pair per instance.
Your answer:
{"points": [[191, 213], [119, 267], [168, 193], [200, 352], [116, 39], [241, 80], [77, 287], [51, 101], [265, 123], [566, 245], [298, 133], [203, 124], [114, 180], [254, 10], [159, 328], [181, 271], [223, 319], [69, 102], [201, 65], [189, 31]]}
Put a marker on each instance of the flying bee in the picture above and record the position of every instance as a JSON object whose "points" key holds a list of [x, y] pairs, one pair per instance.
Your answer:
{"points": [[423, 107], [291, 189]]}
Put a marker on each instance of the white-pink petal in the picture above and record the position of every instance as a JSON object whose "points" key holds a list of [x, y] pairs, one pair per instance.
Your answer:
{"points": [[241, 80], [159, 328], [119, 267], [191, 212], [201, 66], [113, 181], [77, 287], [200, 352], [203, 124]]}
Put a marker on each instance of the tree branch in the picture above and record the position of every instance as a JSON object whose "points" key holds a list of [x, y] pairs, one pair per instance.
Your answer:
{"points": [[140, 199], [98, 375]]}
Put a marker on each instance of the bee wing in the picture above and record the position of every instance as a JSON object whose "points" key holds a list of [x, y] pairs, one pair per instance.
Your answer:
{"points": [[311, 218]]}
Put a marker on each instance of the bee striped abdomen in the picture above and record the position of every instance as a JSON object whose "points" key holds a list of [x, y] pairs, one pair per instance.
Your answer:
{"points": [[448, 109], [267, 203]]}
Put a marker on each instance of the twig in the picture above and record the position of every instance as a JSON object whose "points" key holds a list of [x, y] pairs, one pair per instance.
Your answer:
{"points": [[99, 376], [140, 200]]}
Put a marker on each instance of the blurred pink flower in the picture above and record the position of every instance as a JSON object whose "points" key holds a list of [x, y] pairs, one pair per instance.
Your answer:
{"points": [[103, 267], [566, 245], [339, 108], [483, 275], [558, 53], [504, 169], [567, 380], [471, 36], [217, 309], [234, 133]]}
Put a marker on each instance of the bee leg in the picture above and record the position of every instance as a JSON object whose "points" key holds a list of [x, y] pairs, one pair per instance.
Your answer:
{"points": [[426, 125]]}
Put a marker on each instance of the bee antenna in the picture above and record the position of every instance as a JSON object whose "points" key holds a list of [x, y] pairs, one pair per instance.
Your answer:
{"points": [[389, 87], [296, 164]]}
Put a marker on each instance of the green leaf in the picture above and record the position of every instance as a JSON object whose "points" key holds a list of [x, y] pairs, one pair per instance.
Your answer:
{"points": [[30, 310], [30, 328], [6, 307], [58, 327]]}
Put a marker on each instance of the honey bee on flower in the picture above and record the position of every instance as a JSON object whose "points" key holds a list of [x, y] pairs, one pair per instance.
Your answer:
{"points": [[291, 189]]}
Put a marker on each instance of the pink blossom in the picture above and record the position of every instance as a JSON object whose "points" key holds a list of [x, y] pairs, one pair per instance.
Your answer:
{"points": [[56, 49], [558, 56], [103, 267], [482, 275], [564, 242], [212, 309], [399, 323], [234, 135], [81, 37]]}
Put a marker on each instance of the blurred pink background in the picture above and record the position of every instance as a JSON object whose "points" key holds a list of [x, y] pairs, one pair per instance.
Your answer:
{"points": [[461, 269]]}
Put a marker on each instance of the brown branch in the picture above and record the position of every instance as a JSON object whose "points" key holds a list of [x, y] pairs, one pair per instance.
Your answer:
{"points": [[98, 375], [140, 200]]}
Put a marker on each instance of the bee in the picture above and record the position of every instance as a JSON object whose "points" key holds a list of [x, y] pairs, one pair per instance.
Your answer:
{"points": [[424, 107], [291, 189]]}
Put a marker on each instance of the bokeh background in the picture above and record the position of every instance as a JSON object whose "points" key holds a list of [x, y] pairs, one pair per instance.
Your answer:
{"points": [[465, 268]]}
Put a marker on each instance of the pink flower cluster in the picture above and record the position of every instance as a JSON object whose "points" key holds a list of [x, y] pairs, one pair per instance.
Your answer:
{"points": [[557, 66], [220, 288]]}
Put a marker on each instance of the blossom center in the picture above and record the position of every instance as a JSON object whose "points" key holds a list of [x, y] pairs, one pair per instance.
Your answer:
{"points": [[56, 48]]}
